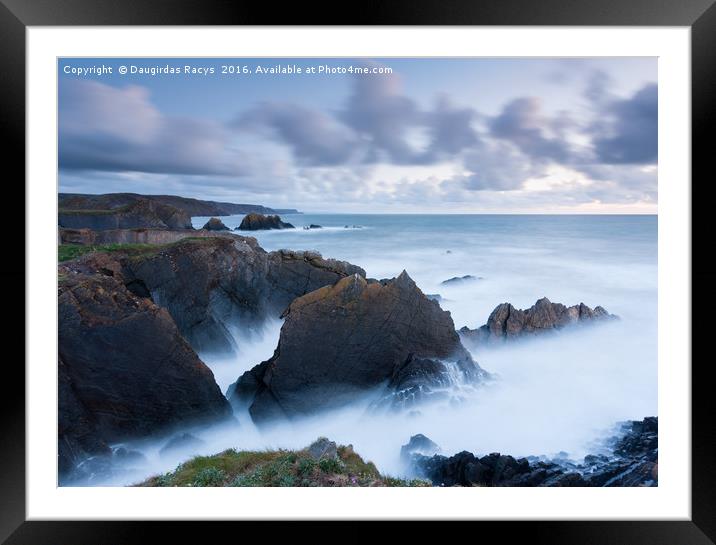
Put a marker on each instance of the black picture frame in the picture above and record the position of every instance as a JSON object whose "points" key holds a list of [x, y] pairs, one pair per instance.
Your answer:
{"points": [[700, 15]]}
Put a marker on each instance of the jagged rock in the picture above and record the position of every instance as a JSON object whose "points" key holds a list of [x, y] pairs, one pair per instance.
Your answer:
{"points": [[506, 322], [322, 449], [434, 296], [215, 224], [211, 283], [418, 444], [255, 222], [313, 226], [460, 280], [140, 213], [125, 370], [344, 340]]}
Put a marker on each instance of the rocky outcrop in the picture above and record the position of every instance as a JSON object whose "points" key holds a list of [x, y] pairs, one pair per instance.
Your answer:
{"points": [[193, 207], [344, 340], [125, 371], [134, 236], [142, 213], [256, 222], [506, 322], [460, 280], [210, 284], [630, 460], [215, 224]]}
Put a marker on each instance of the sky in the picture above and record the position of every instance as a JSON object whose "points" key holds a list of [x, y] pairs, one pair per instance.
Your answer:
{"points": [[423, 135]]}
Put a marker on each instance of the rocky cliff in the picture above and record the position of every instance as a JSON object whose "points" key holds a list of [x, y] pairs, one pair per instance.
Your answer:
{"points": [[124, 369], [209, 284], [192, 207], [141, 213], [344, 340]]}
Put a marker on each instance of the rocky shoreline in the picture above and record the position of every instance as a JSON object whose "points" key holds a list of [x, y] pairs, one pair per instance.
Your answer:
{"points": [[141, 295]]}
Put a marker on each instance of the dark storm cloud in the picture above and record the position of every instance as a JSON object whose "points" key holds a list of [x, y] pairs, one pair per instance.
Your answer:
{"points": [[103, 128], [629, 134]]}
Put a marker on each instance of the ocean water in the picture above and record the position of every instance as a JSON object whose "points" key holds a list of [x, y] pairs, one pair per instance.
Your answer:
{"points": [[556, 393]]}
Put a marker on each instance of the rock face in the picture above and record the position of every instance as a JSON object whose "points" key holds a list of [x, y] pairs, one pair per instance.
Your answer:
{"points": [[125, 371], [215, 224], [134, 236], [343, 340], [631, 461], [506, 322], [418, 444], [256, 222], [209, 284], [193, 207], [142, 213]]}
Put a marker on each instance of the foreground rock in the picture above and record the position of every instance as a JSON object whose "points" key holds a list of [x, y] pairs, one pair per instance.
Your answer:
{"points": [[631, 461], [506, 322], [342, 341], [210, 284], [141, 213], [125, 371], [256, 222], [215, 224]]}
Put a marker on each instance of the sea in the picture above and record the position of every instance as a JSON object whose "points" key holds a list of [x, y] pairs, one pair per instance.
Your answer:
{"points": [[561, 393]]}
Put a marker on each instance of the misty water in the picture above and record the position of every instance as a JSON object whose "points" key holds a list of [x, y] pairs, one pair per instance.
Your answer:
{"points": [[562, 392]]}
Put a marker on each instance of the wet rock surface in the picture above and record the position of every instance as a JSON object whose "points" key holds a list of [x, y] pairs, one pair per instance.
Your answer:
{"points": [[507, 323], [256, 222], [631, 460], [343, 340]]}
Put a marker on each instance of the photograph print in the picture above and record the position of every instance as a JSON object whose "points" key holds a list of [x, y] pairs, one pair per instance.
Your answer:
{"points": [[354, 272]]}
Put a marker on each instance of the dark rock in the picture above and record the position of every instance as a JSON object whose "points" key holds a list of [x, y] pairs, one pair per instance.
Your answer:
{"points": [[322, 449], [215, 224], [255, 222], [141, 213], [434, 297], [124, 455], [344, 340], [124, 369], [506, 322], [460, 279], [313, 226], [418, 444], [635, 466], [211, 283], [180, 442]]}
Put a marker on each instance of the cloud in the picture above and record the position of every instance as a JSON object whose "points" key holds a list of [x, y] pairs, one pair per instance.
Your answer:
{"points": [[103, 128], [629, 135], [314, 137], [522, 123]]}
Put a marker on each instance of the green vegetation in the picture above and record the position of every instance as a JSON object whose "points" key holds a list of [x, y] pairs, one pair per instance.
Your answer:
{"points": [[65, 252], [278, 468]]}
